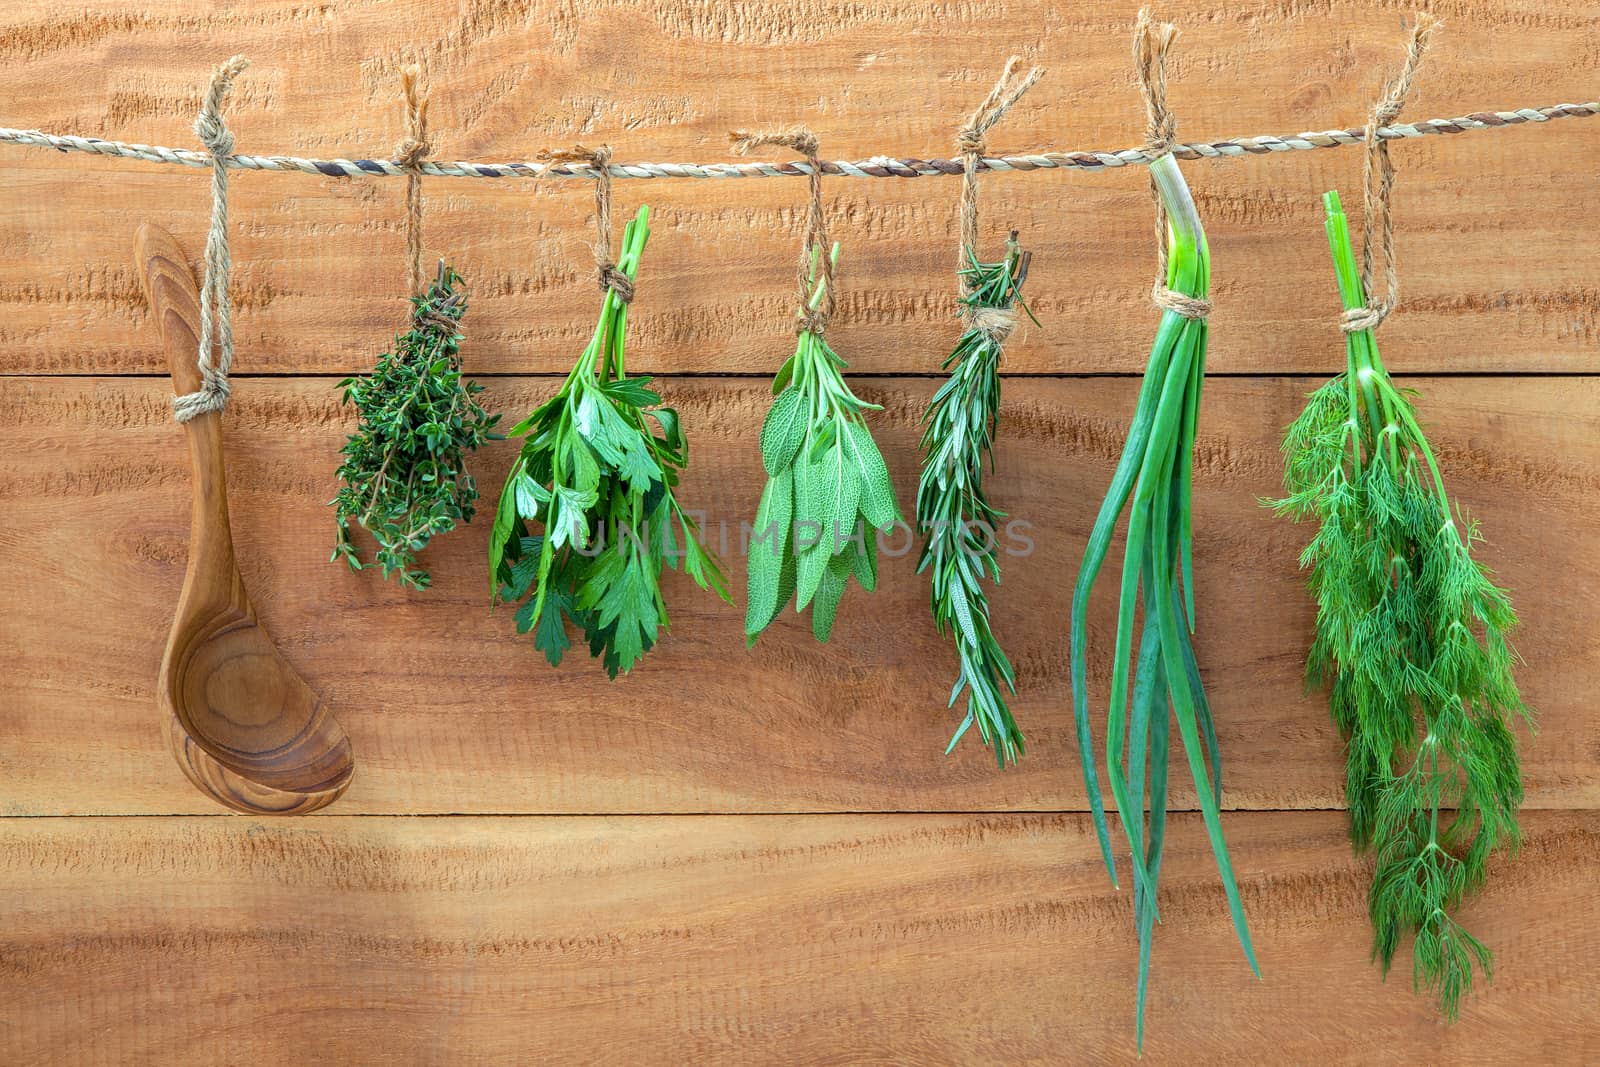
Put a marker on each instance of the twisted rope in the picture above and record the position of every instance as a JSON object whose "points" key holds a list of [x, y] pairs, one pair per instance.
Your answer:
{"points": [[599, 160], [1377, 181], [812, 319], [876, 167], [216, 307], [1151, 40], [996, 323], [410, 153]]}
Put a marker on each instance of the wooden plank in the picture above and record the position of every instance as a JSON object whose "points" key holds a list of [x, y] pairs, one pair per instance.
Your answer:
{"points": [[819, 939], [450, 711], [1495, 272]]}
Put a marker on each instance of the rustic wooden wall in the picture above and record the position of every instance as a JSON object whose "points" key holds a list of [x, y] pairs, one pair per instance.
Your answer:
{"points": [[763, 856]]}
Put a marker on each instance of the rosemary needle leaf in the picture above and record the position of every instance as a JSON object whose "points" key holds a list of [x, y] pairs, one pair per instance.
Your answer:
{"points": [[597, 481], [404, 477]]}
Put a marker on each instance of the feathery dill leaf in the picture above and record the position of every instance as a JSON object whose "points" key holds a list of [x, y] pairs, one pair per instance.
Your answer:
{"points": [[596, 474], [961, 540], [1413, 645], [404, 476]]}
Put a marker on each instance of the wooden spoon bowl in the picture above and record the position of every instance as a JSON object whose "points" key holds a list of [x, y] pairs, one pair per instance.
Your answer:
{"points": [[244, 726]]}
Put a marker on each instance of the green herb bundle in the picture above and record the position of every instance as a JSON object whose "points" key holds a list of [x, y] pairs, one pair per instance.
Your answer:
{"points": [[827, 490], [595, 478], [404, 473], [961, 547], [1412, 641], [1153, 481]]}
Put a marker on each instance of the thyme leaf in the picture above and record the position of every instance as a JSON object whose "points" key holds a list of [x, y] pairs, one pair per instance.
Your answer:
{"points": [[404, 473]]}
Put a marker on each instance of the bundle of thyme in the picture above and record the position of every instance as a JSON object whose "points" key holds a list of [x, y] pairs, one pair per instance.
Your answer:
{"points": [[1413, 643], [961, 547], [595, 479], [404, 473]]}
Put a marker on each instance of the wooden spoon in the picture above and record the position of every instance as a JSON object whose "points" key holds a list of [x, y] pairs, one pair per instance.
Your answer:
{"points": [[245, 728]]}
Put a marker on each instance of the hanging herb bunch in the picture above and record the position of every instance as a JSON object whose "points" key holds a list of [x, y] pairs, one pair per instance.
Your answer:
{"points": [[1153, 482], [588, 519], [1413, 644], [404, 473], [828, 491], [961, 548], [404, 476], [961, 544]]}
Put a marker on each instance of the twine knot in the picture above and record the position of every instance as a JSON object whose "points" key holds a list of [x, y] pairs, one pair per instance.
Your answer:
{"points": [[1363, 318], [971, 141], [214, 134], [615, 280], [1190, 307], [994, 323], [411, 152], [605, 268]]}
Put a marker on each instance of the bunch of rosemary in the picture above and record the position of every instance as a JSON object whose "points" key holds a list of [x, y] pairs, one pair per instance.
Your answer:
{"points": [[959, 523], [597, 478], [1412, 640], [827, 490], [1155, 471], [404, 471]]}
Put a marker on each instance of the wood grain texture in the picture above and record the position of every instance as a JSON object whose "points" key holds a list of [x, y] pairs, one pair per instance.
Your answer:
{"points": [[1489, 251], [453, 712], [823, 939]]}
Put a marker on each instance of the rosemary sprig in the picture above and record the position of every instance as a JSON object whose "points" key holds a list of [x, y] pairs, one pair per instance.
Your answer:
{"points": [[404, 473], [961, 542], [1413, 643], [827, 489], [598, 479], [1156, 472]]}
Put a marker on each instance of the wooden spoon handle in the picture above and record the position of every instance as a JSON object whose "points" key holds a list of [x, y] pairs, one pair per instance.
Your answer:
{"points": [[174, 299]]}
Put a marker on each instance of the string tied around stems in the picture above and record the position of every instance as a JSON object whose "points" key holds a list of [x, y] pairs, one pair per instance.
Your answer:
{"points": [[1151, 41], [813, 319], [410, 153], [216, 307], [599, 159], [972, 143], [1377, 180]]}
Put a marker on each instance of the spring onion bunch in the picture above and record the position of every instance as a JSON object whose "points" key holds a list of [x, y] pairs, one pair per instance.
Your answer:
{"points": [[1153, 483], [953, 511], [597, 470], [1412, 641]]}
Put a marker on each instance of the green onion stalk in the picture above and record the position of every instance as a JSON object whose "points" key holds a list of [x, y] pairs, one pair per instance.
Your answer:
{"points": [[1153, 483], [1413, 643]]}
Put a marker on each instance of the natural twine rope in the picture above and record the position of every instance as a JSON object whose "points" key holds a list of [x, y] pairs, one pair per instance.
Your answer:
{"points": [[605, 267], [1377, 179], [410, 154], [996, 323], [216, 308], [812, 319], [1151, 40]]}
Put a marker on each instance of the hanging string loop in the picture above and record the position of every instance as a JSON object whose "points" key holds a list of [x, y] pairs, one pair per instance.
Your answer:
{"points": [[815, 319], [1377, 179], [216, 307], [410, 153], [599, 159], [1151, 41], [972, 144]]}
